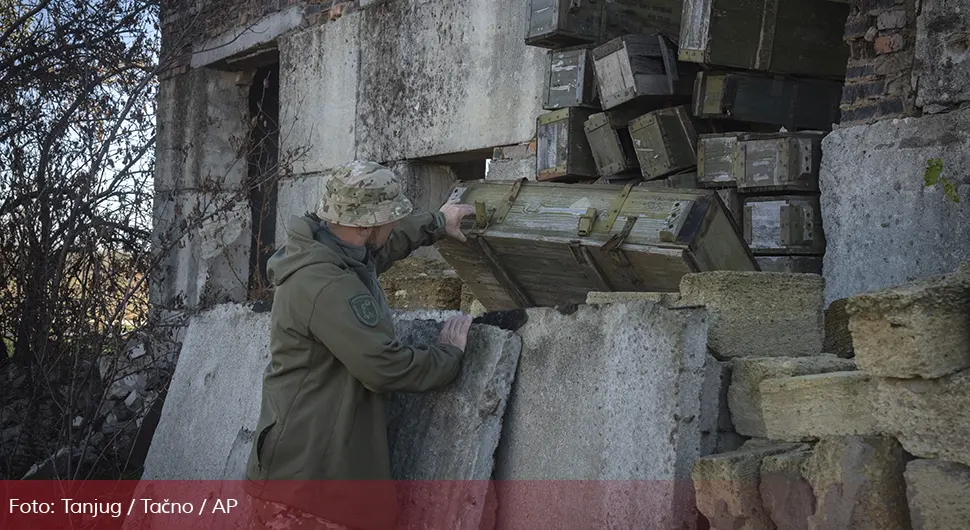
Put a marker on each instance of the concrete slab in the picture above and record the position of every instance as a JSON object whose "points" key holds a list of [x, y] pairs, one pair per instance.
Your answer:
{"points": [[246, 37], [858, 482], [727, 487], [928, 416], [786, 495], [612, 297], [452, 434], [941, 53], [891, 208], [744, 394], [937, 493], [748, 318], [439, 78], [590, 382], [318, 94], [812, 406], [919, 329]]}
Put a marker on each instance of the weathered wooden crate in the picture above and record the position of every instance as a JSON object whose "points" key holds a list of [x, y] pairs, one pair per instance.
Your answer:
{"points": [[562, 150], [796, 264], [546, 244], [611, 145], [640, 67], [732, 201], [751, 97], [795, 37], [786, 162], [665, 141], [784, 225], [760, 162], [686, 180], [563, 23], [570, 80]]}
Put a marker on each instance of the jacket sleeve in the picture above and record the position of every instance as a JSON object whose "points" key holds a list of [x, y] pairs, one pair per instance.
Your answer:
{"points": [[347, 319], [412, 232]]}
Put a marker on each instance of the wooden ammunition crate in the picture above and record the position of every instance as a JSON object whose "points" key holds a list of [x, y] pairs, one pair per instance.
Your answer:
{"points": [[639, 67], [797, 264], [562, 150], [750, 97], [664, 141], [546, 244], [686, 180], [795, 37], [784, 225], [610, 144], [760, 162], [569, 80], [732, 201], [564, 23]]}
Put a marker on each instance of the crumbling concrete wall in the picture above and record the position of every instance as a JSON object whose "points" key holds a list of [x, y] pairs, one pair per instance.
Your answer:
{"points": [[906, 79]]}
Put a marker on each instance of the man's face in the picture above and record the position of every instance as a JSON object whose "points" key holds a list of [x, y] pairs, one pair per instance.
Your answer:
{"points": [[379, 236]]}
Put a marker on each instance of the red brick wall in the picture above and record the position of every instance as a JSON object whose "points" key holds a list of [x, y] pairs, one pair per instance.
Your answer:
{"points": [[878, 83]]}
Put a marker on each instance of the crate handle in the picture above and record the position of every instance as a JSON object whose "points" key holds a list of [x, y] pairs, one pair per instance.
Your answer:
{"points": [[586, 222]]}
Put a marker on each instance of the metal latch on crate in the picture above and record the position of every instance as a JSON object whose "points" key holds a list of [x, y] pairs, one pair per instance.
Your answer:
{"points": [[586, 222]]}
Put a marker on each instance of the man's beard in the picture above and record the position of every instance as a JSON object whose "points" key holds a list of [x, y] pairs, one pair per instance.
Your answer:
{"points": [[371, 243]]}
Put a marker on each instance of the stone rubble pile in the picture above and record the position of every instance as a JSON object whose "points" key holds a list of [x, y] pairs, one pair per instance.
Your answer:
{"points": [[863, 425]]}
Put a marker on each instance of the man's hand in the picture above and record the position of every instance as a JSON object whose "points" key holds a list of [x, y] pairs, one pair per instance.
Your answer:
{"points": [[454, 213], [455, 331]]}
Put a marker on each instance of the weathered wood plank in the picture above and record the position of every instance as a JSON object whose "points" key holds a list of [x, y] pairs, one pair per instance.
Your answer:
{"points": [[563, 23], [715, 159], [562, 150], [778, 162], [664, 141], [639, 67], [569, 79]]}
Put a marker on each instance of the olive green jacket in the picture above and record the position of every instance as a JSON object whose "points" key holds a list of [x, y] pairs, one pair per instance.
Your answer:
{"points": [[333, 356]]}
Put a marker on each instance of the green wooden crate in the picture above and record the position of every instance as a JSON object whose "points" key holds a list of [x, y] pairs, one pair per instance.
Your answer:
{"points": [[784, 224], [569, 79], [637, 67], [795, 37], [563, 23], [562, 150], [665, 141]]}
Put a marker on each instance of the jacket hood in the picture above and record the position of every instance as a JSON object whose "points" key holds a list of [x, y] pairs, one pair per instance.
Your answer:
{"points": [[308, 242]]}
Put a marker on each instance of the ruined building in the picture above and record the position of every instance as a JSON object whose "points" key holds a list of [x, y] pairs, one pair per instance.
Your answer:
{"points": [[764, 380]]}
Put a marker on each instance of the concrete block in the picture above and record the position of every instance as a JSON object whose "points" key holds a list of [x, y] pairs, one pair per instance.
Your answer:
{"points": [[858, 483], [929, 417], [838, 339], [612, 297], [748, 318], [297, 196], [207, 262], [812, 406], [919, 329], [744, 394], [937, 493], [427, 184], [941, 52], [891, 208], [415, 283], [452, 434], [318, 94], [200, 126], [786, 495], [246, 37], [611, 399], [449, 77], [727, 487]]}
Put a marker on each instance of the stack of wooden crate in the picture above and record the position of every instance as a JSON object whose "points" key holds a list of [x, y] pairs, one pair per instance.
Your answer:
{"points": [[732, 95]]}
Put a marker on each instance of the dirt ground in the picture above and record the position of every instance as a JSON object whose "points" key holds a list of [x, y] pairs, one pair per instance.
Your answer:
{"points": [[421, 283]]}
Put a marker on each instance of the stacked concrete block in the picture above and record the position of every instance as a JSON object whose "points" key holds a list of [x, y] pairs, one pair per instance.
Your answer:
{"points": [[744, 394], [786, 495], [938, 493], [513, 162], [759, 314], [809, 406], [858, 483], [919, 329], [612, 297], [727, 486]]}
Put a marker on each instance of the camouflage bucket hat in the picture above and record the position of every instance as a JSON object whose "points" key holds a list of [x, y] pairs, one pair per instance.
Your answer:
{"points": [[363, 194]]}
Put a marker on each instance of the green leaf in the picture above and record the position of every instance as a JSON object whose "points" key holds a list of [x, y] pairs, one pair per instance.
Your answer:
{"points": [[934, 168]]}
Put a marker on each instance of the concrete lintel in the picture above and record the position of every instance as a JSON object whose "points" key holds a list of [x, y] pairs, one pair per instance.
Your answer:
{"points": [[260, 34]]}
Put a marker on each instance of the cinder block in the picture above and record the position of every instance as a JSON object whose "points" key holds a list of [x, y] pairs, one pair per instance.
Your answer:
{"points": [[938, 492], [727, 487], [918, 329], [858, 483], [813, 406], [929, 417], [759, 314], [838, 339], [744, 395], [607, 297], [786, 495]]}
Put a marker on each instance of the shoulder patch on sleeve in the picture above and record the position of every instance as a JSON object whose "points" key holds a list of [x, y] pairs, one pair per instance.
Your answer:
{"points": [[365, 309]]}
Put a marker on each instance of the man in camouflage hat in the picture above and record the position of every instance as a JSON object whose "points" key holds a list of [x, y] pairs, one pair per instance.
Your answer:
{"points": [[334, 353]]}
